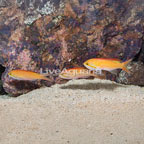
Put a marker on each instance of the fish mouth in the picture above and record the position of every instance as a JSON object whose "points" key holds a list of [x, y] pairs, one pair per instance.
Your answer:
{"points": [[10, 75]]}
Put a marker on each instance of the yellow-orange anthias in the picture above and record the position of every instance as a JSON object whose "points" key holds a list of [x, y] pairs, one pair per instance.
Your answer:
{"points": [[76, 73], [26, 75], [106, 64]]}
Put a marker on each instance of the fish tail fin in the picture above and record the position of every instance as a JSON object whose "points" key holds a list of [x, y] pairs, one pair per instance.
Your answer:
{"points": [[127, 62], [124, 67], [47, 79], [45, 74], [96, 75]]}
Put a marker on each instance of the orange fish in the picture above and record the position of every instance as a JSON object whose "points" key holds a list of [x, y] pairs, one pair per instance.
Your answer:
{"points": [[106, 64], [76, 73], [26, 75]]}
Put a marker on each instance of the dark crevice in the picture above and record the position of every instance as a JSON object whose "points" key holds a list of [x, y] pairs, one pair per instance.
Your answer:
{"points": [[140, 55], [2, 91]]}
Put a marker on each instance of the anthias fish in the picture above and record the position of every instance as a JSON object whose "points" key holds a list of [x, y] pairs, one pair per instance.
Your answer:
{"points": [[106, 64], [76, 73], [26, 75]]}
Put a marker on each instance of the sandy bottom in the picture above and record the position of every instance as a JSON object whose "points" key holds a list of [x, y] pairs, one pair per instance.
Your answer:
{"points": [[79, 112]]}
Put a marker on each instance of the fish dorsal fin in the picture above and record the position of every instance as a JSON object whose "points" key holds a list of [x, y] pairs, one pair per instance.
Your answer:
{"points": [[112, 59]]}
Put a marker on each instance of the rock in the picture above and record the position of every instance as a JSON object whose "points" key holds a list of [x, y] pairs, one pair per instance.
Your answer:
{"points": [[2, 91], [53, 35], [135, 77], [36, 9]]}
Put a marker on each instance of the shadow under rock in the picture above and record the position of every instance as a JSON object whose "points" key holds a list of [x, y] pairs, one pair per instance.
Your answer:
{"points": [[92, 86]]}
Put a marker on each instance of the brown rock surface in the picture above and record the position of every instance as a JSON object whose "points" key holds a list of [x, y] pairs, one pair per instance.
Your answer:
{"points": [[66, 34]]}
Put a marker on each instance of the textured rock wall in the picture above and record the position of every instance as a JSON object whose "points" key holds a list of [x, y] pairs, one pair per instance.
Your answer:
{"points": [[57, 34]]}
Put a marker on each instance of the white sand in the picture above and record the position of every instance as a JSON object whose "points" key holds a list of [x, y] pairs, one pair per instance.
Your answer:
{"points": [[79, 112]]}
